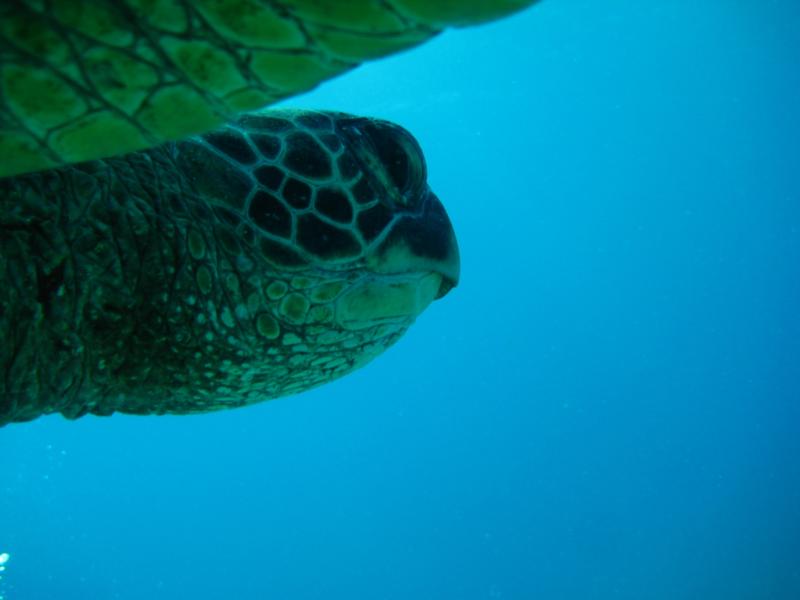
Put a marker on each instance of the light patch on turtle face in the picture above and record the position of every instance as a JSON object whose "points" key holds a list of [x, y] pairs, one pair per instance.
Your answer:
{"points": [[399, 258], [395, 259], [377, 300]]}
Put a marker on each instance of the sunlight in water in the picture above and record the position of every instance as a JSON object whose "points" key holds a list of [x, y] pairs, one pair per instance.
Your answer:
{"points": [[4, 556]]}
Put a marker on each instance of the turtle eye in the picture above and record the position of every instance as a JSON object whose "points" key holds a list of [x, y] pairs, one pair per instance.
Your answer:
{"points": [[391, 153], [401, 156]]}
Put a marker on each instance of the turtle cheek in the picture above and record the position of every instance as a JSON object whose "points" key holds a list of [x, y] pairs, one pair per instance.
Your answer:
{"points": [[401, 300]]}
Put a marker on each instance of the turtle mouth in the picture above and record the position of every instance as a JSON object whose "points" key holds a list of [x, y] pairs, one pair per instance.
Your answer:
{"points": [[387, 299]]}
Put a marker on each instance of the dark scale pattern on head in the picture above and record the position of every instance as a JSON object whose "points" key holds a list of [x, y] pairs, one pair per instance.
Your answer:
{"points": [[297, 194], [268, 145], [315, 121], [348, 168], [331, 141], [373, 221], [270, 214], [306, 157], [363, 192], [269, 176], [264, 123], [400, 155], [324, 240], [334, 204], [233, 144]]}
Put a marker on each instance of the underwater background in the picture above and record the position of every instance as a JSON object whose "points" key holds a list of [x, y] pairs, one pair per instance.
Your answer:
{"points": [[608, 406]]}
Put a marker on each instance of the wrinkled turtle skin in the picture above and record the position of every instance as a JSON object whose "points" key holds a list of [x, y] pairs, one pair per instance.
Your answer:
{"points": [[147, 269]]}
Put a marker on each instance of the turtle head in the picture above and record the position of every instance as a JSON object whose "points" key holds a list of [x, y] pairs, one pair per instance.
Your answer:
{"points": [[413, 227], [328, 194]]}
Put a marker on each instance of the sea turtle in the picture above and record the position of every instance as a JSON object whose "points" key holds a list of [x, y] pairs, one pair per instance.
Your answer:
{"points": [[149, 267]]}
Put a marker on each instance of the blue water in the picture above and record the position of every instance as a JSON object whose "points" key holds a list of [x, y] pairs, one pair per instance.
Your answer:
{"points": [[608, 406]]}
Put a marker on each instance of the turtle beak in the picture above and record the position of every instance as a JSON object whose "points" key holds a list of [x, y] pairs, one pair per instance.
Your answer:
{"points": [[423, 242], [448, 264]]}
